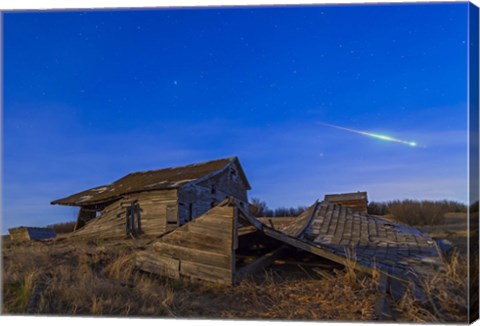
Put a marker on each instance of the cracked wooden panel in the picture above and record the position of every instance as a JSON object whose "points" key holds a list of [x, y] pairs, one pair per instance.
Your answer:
{"points": [[203, 248]]}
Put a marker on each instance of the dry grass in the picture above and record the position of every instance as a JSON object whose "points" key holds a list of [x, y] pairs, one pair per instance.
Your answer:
{"points": [[100, 279], [446, 296]]}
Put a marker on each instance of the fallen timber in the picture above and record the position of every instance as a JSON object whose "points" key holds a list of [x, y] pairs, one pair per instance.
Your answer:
{"points": [[206, 248]]}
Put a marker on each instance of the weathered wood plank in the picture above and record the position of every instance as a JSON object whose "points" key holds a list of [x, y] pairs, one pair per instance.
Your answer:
{"points": [[198, 241], [157, 264], [308, 247], [221, 233], [194, 255], [324, 274], [206, 272], [246, 230], [153, 218], [203, 247]]}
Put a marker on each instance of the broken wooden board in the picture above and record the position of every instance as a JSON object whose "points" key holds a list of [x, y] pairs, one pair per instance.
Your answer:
{"points": [[112, 222], [294, 227], [202, 249]]}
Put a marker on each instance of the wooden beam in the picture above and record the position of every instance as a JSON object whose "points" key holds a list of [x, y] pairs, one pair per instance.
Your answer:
{"points": [[309, 220], [330, 266], [307, 247], [316, 250], [324, 274], [244, 230], [260, 263], [249, 218]]}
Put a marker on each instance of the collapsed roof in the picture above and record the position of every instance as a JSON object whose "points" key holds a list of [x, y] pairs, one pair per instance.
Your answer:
{"points": [[335, 232], [338, 233]]}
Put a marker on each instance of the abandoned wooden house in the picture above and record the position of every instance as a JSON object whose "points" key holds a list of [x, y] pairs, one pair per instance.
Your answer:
{"points": [[24, 233], [206, 231], [157, 201]]}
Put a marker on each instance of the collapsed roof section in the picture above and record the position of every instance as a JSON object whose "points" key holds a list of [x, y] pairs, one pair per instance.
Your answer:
{"points": [[331, 231], [168, 178], [339, 234]]}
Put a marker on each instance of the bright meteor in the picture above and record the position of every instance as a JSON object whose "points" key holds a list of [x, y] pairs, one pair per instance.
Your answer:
{"points": [[382, 137]]}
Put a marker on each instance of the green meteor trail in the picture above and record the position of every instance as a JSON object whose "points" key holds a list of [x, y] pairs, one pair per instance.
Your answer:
{"points": [[382, 137]]}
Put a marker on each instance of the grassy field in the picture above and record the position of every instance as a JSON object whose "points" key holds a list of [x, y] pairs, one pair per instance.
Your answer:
{"points": [[454, 229], [99, 278]]}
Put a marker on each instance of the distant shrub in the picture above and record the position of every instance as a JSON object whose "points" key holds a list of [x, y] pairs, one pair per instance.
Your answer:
{"points": [[408, 211], [259, 208], [376, 208], [416, 212], [453, 206], [292, 211]]}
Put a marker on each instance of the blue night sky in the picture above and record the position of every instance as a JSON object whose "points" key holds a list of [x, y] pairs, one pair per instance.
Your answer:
{"points": [[90, 96]]}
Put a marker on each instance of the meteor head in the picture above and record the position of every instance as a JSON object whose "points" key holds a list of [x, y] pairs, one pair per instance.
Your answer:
{"points": [[412, 143]]}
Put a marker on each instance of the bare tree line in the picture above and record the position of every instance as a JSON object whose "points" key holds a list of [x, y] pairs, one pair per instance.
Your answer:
{"points": [[414, 212]]}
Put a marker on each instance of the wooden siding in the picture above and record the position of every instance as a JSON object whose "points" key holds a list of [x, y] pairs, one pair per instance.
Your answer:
{"points": [[228, 182], [165, 210], [202, 249], [197, 198], [31, 233], [154, 207]]}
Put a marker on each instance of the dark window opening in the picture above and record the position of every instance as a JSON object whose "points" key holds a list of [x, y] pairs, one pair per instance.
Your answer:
{"points": [[171, 213], [213, 189], [133, 225], [190, 211]]}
